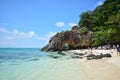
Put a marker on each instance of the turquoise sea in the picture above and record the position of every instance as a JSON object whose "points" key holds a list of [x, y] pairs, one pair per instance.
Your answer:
{"points": [[33, 64]]}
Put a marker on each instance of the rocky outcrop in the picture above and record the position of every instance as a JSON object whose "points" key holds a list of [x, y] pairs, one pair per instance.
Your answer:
{"points": [[74, 40], [53, 45], [92, 56]]}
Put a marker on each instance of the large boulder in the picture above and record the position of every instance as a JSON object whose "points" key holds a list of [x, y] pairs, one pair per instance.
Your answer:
{"points": [[72, 38]]}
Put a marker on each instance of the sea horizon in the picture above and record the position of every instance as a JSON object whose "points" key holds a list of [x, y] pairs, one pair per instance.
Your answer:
{"points": [[59, 40]]}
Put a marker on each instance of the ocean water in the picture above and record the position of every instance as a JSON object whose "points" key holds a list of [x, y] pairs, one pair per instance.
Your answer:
{"points": [[33, 64]]}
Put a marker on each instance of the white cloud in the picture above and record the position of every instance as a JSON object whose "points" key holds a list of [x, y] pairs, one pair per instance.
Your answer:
{"points": [[31, 34], [3, 30], [60, 24], [72, 24], [16, 34], [46, 37], [50, 34], [15, 31], [99, 3], [18, 38]]}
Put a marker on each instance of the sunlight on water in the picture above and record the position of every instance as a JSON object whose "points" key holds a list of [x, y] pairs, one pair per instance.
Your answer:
{"points": [[32, 64]]}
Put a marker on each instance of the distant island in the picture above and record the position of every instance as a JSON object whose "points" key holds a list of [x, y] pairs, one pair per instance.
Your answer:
{"points": [[95, 28]]}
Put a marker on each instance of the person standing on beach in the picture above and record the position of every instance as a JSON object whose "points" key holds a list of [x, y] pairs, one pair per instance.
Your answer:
{"points": [[118, 50], [114, 47]]}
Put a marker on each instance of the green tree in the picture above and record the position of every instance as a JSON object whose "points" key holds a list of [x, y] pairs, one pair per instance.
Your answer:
{"points": [[104, 21], [84, 30], [75, 28], [85, 19]]}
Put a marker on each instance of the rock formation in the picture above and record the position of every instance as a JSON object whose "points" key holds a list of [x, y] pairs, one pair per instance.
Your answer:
{"points": [[74, 39]]}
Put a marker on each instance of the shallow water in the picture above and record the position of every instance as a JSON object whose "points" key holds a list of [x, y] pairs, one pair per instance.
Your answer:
{"points": [[32, 64]]}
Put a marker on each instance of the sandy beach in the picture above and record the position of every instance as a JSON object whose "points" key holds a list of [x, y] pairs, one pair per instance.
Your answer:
{"points": [[101, 69], [44, 67]]}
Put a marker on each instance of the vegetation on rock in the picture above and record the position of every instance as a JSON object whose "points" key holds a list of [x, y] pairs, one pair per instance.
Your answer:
{"points": [[104, 22]]}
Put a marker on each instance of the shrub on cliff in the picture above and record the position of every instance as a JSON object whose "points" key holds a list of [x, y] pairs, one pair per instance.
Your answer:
{"points": [[84, 30]]}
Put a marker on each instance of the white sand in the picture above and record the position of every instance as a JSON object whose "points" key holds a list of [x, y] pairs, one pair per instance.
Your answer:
{"points": [[102, 69]]}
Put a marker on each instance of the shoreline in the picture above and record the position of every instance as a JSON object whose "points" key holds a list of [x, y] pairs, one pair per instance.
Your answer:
{"points": [[60, 68], [101, 69]]}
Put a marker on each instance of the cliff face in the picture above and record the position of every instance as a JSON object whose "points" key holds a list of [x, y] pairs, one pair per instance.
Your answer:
{"points": [[72, 38]]}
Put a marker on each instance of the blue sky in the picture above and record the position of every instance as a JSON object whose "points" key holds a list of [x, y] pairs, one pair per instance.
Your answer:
{"points": [[31, 23]]}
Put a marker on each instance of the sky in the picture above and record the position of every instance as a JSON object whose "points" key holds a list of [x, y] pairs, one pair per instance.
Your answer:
{"points": [[31, 23]]}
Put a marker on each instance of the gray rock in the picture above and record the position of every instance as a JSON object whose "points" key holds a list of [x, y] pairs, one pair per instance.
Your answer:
{"points": [[53, 56], [60, 53], [107, 55], [90, 55], [97, 57], [80, 54], [89, 58], [77, 57]]}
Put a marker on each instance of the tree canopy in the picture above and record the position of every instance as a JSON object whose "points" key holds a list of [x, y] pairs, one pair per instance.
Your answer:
{"points": [[104, 21]]}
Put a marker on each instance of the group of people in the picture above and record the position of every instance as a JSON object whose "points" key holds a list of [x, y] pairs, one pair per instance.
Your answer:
{"points": [[115, 47]]}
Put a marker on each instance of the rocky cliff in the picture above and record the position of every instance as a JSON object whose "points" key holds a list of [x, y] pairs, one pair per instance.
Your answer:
{"points": [[73, 38]]}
